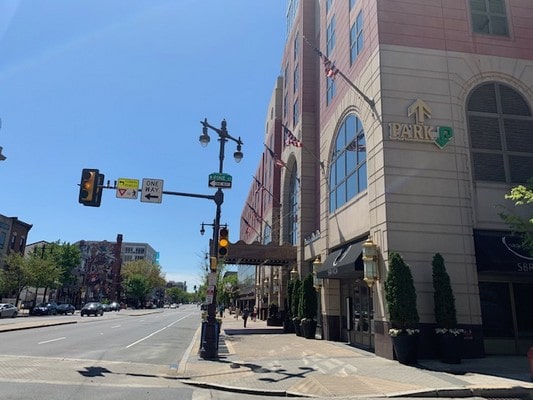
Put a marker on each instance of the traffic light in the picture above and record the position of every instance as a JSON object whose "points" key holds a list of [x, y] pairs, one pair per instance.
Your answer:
{"points": [[213, 263], [91, 187], [223, 242]]}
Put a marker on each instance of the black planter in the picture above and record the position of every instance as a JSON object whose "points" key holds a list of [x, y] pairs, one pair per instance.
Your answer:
{"points": [[450, 347], [288, 326], [297, 327], [406, 348], [308, 328]]}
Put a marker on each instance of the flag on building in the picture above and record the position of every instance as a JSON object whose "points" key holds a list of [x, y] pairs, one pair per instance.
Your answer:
{"points": [[290, 139], [329, 68], [278, 162], [260, 186], [355, 146]]}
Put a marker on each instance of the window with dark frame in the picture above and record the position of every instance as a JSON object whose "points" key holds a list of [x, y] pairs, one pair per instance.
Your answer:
{"points": [[489, 17]]}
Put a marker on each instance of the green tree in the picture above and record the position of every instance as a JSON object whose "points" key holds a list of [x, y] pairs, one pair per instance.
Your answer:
{"points": [[150, 271], [444, 300], [400, 294], [296, 293], [43, 271], [522, 196], [308, 303], [136, 287], [16, 274]]}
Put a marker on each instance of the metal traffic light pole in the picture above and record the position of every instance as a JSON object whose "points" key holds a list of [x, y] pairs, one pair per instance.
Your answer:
{"points": [[210, 328]]}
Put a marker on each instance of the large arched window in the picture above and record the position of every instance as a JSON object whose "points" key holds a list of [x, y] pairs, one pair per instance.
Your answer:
{"points": [[347, 173], [501, 134], [292, 214]]}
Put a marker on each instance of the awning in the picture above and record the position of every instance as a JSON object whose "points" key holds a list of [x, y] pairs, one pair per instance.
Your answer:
{"points": [[260, 254], [344, 263], [500, 252]]}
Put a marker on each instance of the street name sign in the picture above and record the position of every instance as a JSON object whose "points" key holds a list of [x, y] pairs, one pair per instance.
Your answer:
{"points": [[220, 180], [152, 190], [127, 188]]}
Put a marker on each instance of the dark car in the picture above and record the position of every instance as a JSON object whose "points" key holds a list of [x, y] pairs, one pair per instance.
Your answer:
{"points": [[44, 309], [65, 309], [92, 308], [114, 306]]}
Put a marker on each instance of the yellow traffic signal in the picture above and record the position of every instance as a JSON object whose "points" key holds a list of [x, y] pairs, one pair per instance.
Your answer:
{"points": [[90, 190], [213, 264], [223, 242]]}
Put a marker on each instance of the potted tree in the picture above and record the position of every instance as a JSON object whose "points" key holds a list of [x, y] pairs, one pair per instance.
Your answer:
{"points": [[400, 294], [308, 307], [449, 337], [288, 326], [296, 290]]}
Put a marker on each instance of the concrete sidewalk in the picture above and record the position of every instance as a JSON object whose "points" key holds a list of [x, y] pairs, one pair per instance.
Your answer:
{"points": [[263, 360]]}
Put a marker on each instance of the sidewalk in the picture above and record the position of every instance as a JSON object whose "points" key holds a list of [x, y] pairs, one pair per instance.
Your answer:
{"points": [[263, 360]]}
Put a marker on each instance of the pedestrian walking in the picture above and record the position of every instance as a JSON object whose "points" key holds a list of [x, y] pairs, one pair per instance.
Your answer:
{"points": [[245, 314], [221, 310]]}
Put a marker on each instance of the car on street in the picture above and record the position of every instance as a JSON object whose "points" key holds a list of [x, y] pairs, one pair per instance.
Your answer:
{"points": [[174, 305], [65, 309], [44, 309], [114, 306], [8, 310], [93, 308]]}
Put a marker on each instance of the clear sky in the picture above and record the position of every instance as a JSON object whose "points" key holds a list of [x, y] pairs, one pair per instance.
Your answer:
{"points": [[122, 85]]}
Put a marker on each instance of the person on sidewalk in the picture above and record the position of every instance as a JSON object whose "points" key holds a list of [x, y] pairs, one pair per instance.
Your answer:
{"points": [[245, 314]]}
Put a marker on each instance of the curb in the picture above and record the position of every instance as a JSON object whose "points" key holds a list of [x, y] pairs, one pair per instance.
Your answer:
{"points": [[42, 325]]}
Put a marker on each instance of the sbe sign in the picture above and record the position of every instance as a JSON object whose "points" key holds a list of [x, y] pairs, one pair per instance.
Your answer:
{"points": [[419, 131]]}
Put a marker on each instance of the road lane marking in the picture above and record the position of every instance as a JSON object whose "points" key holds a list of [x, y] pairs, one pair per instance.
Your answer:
{"points": [[52, 340], [156, 332], [116, 326]]}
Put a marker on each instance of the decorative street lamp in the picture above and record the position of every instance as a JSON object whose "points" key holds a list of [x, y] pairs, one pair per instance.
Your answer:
{"points": [[209, 345], [370, 262]]}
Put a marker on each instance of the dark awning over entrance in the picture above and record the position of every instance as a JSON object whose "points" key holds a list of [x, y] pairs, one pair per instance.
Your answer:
{"points": [[260, 254], [343, 263], [500, 252]]}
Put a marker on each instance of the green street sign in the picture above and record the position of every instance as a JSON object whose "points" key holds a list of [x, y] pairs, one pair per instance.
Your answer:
{"points": [[220, 180]]}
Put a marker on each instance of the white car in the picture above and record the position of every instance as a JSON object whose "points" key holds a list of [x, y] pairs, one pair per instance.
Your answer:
{"points": [[174, 305], [8, 310]]}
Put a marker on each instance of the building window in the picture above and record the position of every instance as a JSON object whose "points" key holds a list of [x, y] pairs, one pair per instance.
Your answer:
{"points": [[285, 105], [347, 174], [2, 239], [295, 113], [296, 45], [286, 75], [356, 38], [501, 134], [296, 78], [489, 17], [330, 36], [331, 89], [293, 207], [351, 4], [13, 240], [329, 3]]}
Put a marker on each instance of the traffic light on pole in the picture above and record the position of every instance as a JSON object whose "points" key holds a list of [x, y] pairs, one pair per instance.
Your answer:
{"points": [[223, 242], [91, 187]]}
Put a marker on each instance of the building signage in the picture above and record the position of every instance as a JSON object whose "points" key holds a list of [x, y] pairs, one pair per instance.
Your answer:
{"points": [[420, 131]]}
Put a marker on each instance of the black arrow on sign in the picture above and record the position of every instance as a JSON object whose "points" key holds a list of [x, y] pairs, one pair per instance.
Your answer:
{"points": [[151, 196]]}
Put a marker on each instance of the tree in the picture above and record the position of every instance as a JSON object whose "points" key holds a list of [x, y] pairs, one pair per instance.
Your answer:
{"points": [[16, 274], [400, 294], [522, 196], [150, 271], [308, 303], [444, 300], [137, 287], [296, 293]]}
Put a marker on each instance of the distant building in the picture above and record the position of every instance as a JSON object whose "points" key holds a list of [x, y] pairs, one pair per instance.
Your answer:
{"points": [[179, 285], [13, 236]]}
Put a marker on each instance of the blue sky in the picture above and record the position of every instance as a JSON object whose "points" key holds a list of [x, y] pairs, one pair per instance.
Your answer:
{"points": [[122, 86]]}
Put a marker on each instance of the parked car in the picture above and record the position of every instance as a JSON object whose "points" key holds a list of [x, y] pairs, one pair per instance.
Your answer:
{"points": [[174, 305], [44, 309], [66, 309], [106, 307], [8, 310], [93, 308], [114, 306]]}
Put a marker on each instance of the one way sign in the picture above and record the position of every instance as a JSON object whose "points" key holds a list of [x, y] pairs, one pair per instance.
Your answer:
{"points": [[152, 190]]}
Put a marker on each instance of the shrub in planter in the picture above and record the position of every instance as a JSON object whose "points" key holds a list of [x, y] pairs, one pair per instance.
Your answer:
{"points": [[295, 306], [449, 337], [308, 307], [400, 294]]}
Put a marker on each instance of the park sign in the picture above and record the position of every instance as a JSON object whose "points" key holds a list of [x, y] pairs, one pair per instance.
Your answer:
{"points": [[420, 131], [220, 180]]}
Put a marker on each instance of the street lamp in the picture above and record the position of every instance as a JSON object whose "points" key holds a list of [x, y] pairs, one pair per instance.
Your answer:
{"points": [[370, 262], [209, 349]]}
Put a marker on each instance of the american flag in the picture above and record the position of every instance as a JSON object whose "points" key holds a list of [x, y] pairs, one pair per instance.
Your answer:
{"points": [[248, 226], [256, 214], [290, 139], [354, 146], [329, 68], [260, 186], [278, 162]]}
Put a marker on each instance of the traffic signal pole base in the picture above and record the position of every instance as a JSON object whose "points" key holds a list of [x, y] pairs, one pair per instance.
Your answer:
{"points": [[210, 334]]}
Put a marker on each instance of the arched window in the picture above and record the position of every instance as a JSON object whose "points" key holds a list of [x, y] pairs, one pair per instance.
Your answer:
{"points": [[292, 215], [347, 173], [501, 134]]}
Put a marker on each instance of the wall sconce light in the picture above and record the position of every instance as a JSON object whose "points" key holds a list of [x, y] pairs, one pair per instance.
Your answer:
{"points": [[370, 262], [316, 266], [294, 273], [275, 282], [265, 283]]}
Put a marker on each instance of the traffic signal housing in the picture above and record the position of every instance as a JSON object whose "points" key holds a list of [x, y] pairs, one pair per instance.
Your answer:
{"points": [[213, 264], [223, 242], [91, 187]]}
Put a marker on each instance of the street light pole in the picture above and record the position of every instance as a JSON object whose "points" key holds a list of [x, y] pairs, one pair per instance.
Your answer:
{"points": [[209, 342]]}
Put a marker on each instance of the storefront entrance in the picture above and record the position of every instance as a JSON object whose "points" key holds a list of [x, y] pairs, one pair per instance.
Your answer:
{"points": [[358, 312]]}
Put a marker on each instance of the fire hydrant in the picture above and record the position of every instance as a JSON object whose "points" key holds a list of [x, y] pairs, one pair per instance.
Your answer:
{"points": [[530, 358]]}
